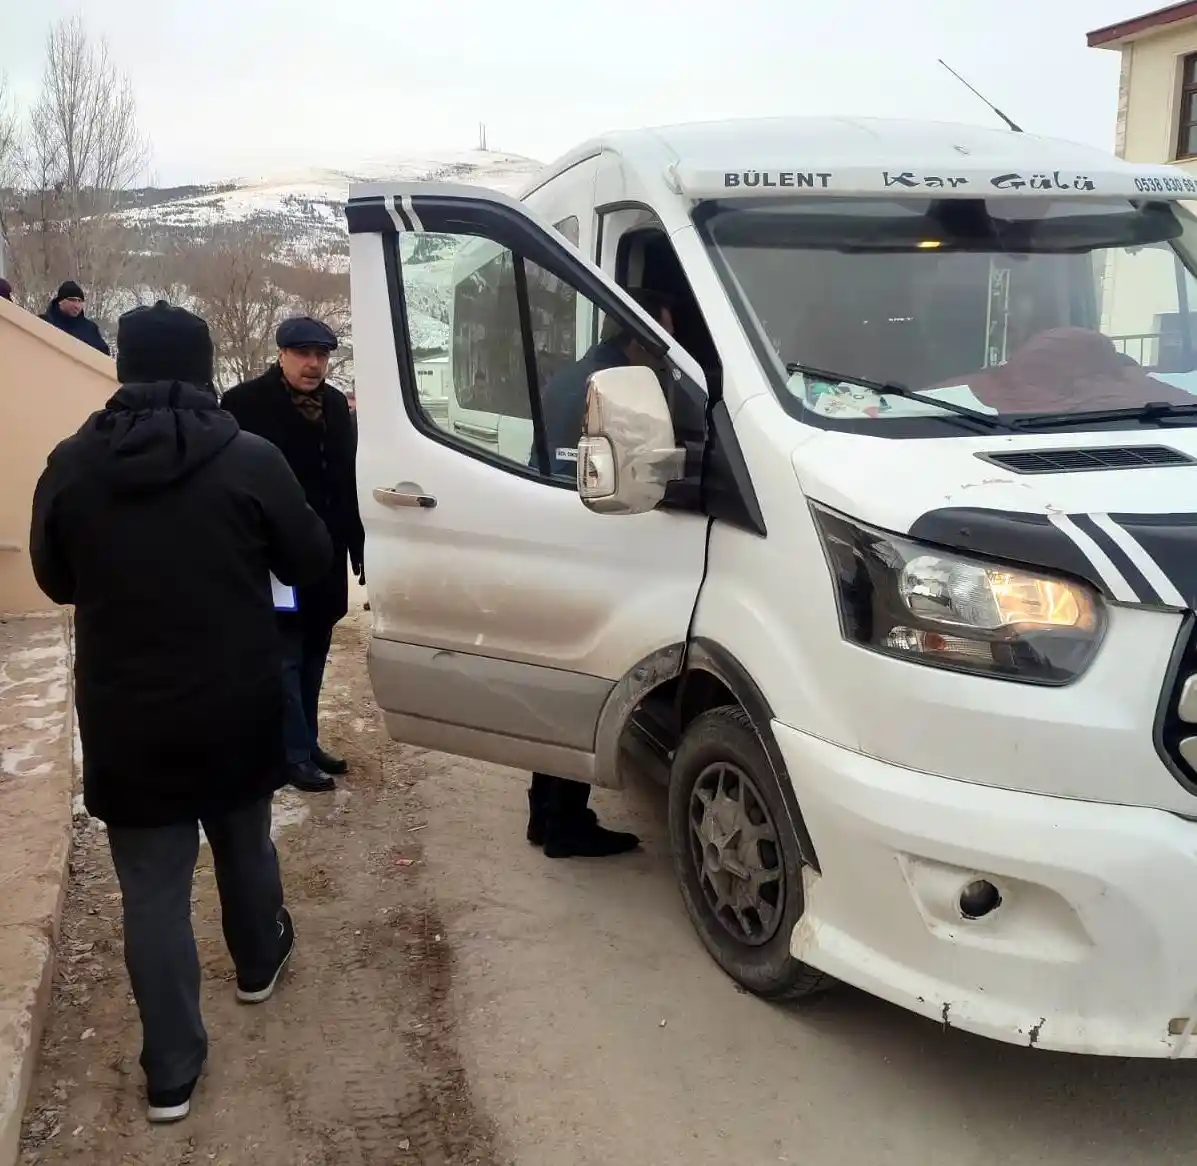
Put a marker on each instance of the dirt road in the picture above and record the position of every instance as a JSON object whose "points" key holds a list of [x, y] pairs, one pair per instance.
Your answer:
{"points": [[459, 999]]}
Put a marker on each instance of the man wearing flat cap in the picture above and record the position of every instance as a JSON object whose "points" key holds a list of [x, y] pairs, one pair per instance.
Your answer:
{"points": [[292, 406]]}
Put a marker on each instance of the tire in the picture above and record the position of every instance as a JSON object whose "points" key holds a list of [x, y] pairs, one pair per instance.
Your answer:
{"points": [[721, 776]]}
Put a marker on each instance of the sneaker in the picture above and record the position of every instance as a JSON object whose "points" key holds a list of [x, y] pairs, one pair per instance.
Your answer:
{"points": [[257, 992], [170, 1105], [329, 763], [310, 778]]}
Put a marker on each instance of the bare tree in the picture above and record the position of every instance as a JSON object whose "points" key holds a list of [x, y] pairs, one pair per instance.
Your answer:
{"points": [[165, 273], [9, 153], [9, 139], [231, 280], [82, 148]]}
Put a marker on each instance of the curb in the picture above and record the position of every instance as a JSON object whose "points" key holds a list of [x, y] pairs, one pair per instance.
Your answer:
{"points": [[36, 786]]}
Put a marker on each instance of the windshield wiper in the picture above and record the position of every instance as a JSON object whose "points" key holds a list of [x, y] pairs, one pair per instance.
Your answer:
{"points": [[1151, 411], [892, 389]]}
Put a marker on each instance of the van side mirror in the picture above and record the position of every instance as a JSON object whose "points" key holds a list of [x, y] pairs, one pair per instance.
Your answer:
{"points": [[628, 453]]}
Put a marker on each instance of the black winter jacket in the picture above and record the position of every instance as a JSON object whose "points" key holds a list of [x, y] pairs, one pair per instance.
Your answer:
{"points": [[161, 523], [78, 326], [323, 456]]}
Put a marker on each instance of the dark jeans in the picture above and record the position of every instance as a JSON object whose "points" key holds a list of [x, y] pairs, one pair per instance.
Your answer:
{"points": [[155, 867], [305, 653]]}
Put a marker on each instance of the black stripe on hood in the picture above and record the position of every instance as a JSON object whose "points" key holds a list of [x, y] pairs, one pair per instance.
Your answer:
{"points": [[1171, 540], [150, 436]]}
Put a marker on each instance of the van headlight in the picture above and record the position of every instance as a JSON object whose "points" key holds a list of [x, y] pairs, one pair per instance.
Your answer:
{"points": [[935, 607]]}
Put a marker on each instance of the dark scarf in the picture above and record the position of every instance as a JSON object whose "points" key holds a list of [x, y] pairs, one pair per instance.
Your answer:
{"points": [[310, 405]]}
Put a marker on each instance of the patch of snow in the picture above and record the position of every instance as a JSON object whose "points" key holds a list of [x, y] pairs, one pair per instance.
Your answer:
{"points": [[12, 759], [308, 206], [34, 678]]}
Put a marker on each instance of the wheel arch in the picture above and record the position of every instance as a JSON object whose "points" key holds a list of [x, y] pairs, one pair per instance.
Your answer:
{"points": [[708, 658], [697, 676]]}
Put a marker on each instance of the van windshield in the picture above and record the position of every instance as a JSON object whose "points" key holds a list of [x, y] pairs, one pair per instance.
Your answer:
{"points": [[1012, 307]]}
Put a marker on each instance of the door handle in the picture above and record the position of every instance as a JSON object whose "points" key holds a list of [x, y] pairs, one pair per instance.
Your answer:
{"points": [[404, 494], [481, 432]]}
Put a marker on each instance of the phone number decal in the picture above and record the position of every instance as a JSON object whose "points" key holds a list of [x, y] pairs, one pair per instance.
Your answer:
{"points": [[1169, 185]]}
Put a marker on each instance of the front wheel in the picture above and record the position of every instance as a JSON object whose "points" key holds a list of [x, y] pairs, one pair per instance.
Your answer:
{"points": [[736, 857]]}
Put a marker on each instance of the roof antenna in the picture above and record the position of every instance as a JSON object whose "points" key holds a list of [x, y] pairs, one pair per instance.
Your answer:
{"points": [[1009, 121]]}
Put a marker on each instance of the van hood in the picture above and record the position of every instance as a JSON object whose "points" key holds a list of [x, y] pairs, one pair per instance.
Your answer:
{"points": [[1116, 508]]}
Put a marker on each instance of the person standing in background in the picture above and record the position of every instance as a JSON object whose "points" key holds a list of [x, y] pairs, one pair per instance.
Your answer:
{"points": [[162, 523], [292, 406], [66, 313]]}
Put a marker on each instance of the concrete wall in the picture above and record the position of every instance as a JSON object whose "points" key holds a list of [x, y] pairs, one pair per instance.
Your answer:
{"points": [[49, 384]]}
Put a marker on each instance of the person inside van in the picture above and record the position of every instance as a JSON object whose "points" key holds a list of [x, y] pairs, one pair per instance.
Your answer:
{"points": [[563, 400], [559, 817]]}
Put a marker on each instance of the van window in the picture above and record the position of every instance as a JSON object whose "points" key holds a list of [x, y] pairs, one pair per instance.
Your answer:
{"points": [[467, 323], [1006, 306], [485, 330], [569, 228]]}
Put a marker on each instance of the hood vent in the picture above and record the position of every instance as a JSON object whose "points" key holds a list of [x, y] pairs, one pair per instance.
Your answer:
{"points": [[1076, 460]]}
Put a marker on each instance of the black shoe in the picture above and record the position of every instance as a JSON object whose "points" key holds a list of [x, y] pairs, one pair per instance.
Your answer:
{"points": [[583, 837], [538, 819], [259, 991], [309, 777], [169, 1105], [329, 763]]}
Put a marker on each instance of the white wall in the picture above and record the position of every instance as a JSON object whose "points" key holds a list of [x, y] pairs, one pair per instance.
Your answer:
{"points": [[1140, 287]]}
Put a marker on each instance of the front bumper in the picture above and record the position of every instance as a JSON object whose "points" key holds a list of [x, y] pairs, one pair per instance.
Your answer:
{"points": [[1093, 948]]}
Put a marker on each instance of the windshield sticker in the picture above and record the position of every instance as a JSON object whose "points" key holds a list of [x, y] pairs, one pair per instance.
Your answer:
{"points": [[911, 180], [777, 178]]}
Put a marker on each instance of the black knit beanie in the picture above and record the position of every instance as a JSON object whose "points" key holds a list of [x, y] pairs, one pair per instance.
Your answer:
{"points": [[69, 291], [163, 343]]}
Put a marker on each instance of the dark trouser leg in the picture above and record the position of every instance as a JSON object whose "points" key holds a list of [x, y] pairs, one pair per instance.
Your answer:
{"points": [[155, 868], [250, 886], [539, 793], [567, 803], [296, 731], [316, 646]]}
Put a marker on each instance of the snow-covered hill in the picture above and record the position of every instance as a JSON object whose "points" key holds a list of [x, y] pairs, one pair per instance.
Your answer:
{"points": [[306, 209], [302, 215]]}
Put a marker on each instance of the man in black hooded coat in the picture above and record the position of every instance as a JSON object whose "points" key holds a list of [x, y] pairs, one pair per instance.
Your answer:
{"points": [[162, 523]]}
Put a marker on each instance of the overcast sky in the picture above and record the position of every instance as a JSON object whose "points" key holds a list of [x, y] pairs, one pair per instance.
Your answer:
{"points": [[250, 87]]}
